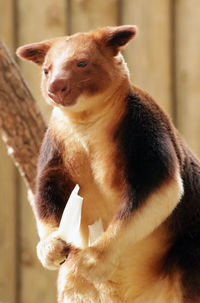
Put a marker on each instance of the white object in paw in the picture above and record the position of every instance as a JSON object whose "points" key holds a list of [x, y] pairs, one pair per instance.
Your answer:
{"points": [[69, 228]]}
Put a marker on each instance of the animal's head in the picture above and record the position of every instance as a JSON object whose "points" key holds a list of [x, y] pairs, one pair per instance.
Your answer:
{"points": [[82, 65]]}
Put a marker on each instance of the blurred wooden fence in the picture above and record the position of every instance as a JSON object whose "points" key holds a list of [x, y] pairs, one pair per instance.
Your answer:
{"points": [[164, 60]]}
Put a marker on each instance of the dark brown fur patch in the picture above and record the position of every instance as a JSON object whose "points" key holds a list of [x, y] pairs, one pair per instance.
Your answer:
{"points": [[148, 154], [184, 226], [53, 183]]}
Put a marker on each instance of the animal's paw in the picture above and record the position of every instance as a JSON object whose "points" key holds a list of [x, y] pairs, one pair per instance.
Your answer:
{"points": [[53, 251], [96, 265]]}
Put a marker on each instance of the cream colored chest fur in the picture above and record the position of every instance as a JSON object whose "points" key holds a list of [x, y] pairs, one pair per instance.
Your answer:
{"points": [[89, 161]]}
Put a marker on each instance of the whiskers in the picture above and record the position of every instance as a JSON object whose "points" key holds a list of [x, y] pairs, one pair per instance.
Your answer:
{"points": [[84, 80]]}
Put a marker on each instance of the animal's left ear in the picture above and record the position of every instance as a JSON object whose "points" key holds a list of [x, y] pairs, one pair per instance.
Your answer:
{"points": [[34, 52], [116, 38]]}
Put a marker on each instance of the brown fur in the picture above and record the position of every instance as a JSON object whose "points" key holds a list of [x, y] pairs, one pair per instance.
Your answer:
{"points": [[115, 142]]}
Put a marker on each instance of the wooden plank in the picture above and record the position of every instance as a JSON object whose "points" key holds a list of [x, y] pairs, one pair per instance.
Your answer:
{"points": [[188, 70], [7, 23], [38, 20], [149, 55], [8, 201], [8, 274], [89, 14], [36, 283]]}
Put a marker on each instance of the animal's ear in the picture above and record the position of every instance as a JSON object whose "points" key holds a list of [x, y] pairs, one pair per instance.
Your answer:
{"points": [[35, 52], [116, 38]]}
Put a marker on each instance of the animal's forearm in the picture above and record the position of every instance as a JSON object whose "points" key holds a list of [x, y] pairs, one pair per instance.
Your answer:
{"points": [[143, 221]]}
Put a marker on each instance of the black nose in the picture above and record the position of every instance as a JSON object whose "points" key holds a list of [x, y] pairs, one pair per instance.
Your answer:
{"points": [[58, 90]]}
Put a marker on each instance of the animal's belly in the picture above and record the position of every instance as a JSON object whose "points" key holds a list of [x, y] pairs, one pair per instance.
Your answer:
{"points": [[100, 199], [96, 205]]}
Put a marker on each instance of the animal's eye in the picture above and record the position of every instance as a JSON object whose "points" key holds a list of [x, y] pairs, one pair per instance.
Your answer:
{"points": [[46, 71], [81, 64]]}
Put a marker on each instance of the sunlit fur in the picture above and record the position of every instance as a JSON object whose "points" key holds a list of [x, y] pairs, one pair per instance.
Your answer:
{"points": [[134, 172]]}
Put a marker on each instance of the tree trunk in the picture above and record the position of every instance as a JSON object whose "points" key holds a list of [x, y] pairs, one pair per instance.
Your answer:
{"points": [[21, 123]]}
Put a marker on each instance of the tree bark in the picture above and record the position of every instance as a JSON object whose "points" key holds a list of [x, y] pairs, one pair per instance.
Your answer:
{"points": [[21, 123]]}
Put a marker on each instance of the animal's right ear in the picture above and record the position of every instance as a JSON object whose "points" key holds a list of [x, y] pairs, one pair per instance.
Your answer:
{"points": [[34, 52], [116, 38]]}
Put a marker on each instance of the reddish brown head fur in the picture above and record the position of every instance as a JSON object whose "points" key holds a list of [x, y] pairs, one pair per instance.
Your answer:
{"points": [[85, 64]]}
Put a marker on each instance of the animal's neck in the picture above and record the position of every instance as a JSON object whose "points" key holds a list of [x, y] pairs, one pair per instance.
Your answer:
{"points": [[104, 110]]}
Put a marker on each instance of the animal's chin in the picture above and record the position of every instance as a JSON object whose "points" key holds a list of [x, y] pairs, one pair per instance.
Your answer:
{"points": [[67, 101]]}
